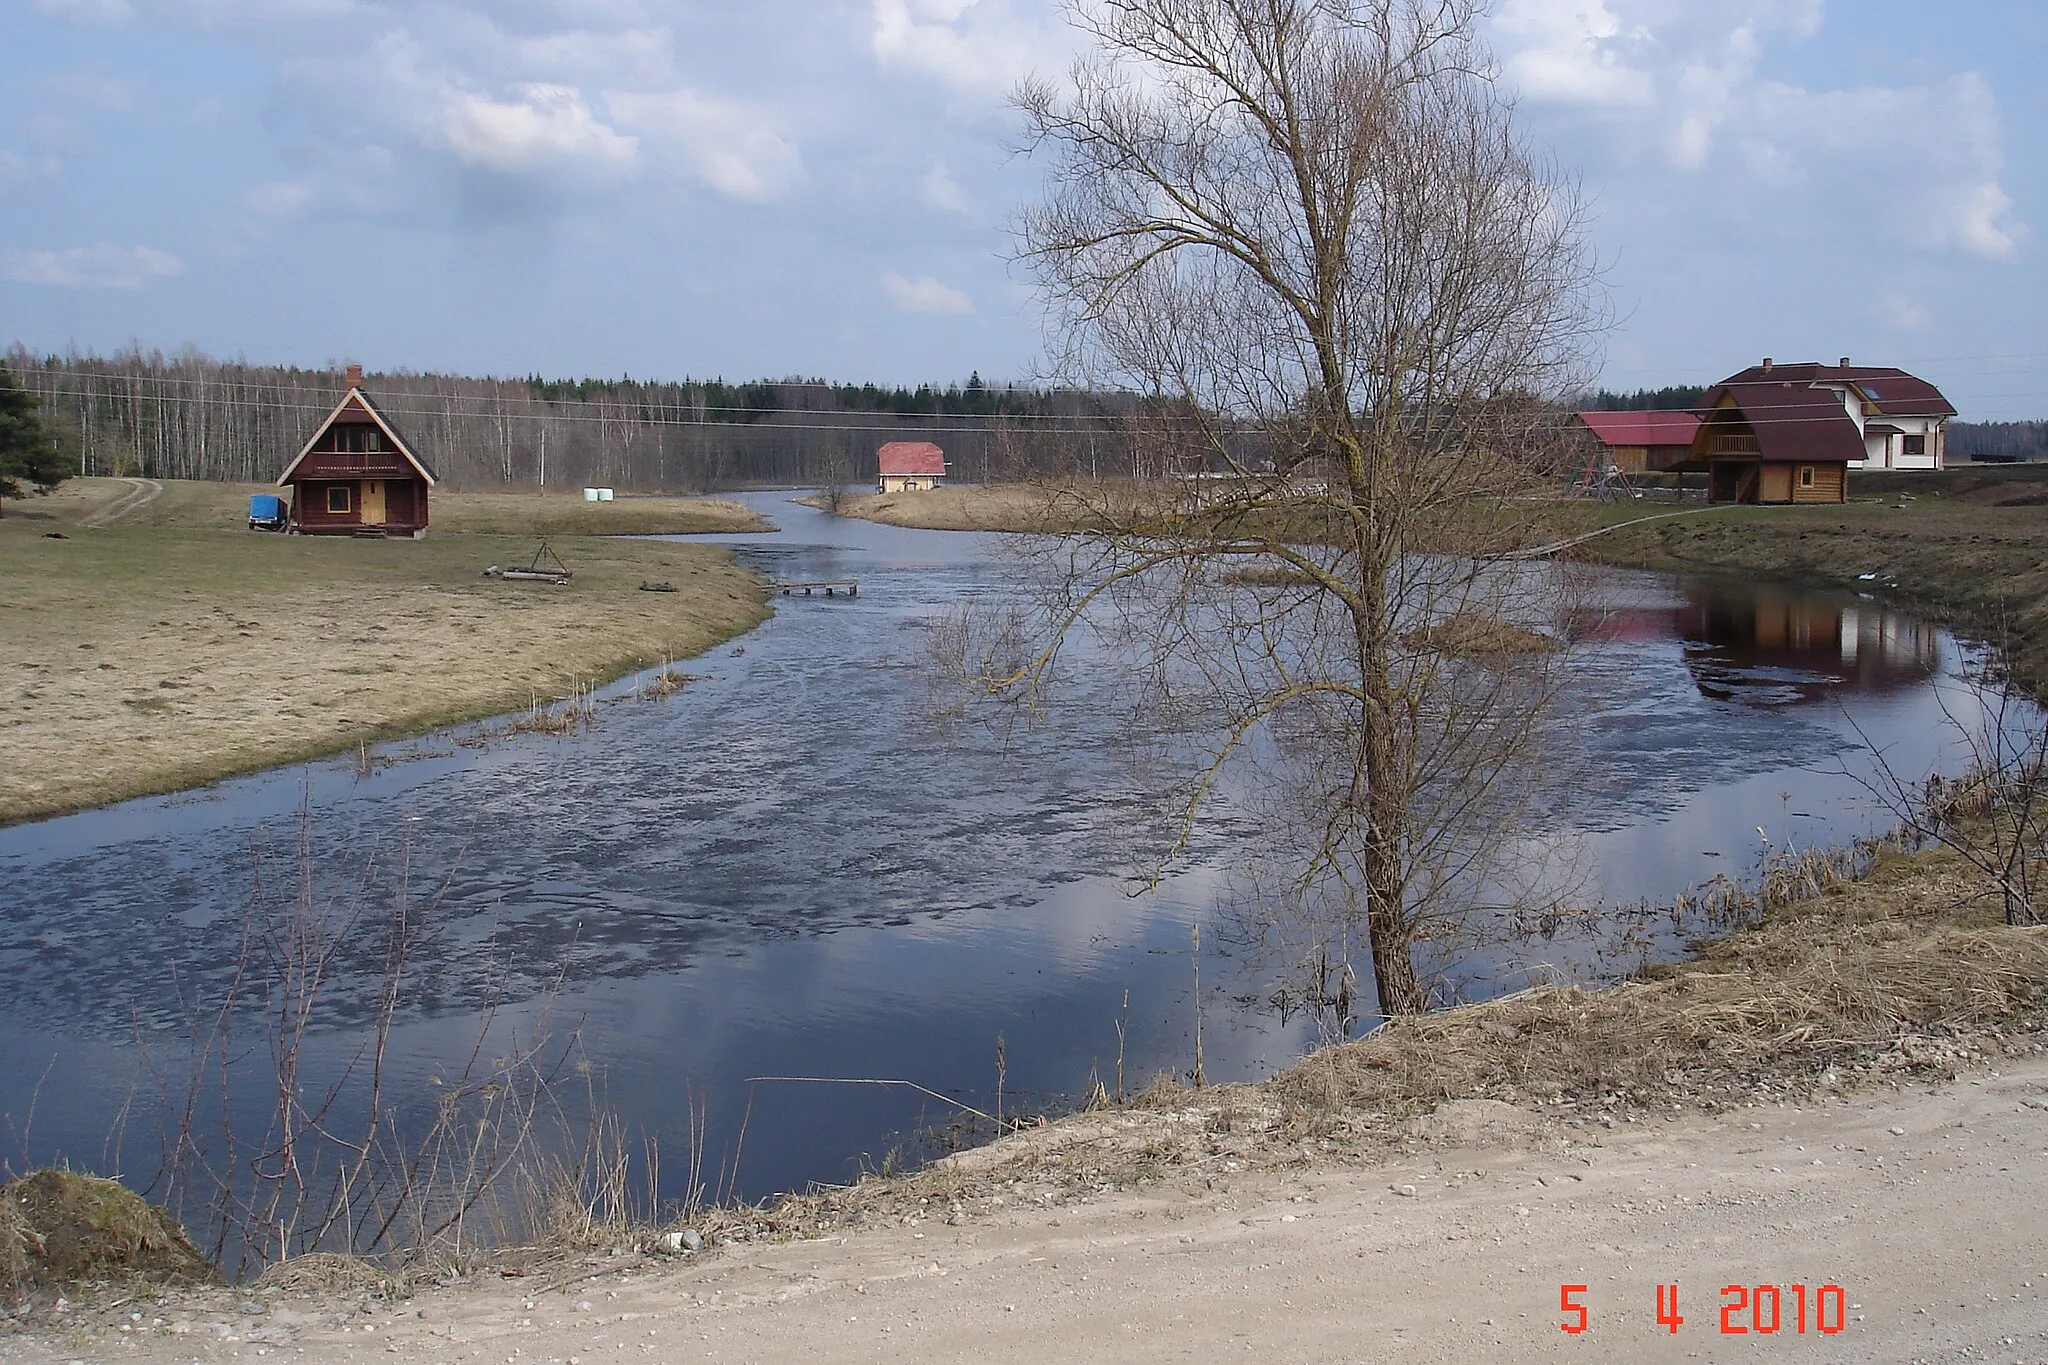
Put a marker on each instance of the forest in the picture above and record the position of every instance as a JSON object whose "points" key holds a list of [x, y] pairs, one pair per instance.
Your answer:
{"points": [[192, 416]]}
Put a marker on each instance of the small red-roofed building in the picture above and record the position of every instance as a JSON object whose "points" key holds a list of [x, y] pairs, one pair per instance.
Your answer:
{"points": [[356, 476], [910, 466], [1640, 442]]}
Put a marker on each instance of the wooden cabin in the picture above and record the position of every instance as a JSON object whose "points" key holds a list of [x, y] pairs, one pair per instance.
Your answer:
{"points": [[1791, 433], [908, 466], [357, 476]]}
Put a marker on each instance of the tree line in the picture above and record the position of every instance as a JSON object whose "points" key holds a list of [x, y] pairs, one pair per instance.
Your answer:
{"points": [[193, 416], [1998, 440]]}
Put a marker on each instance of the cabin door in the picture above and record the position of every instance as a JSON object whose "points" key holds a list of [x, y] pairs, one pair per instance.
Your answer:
{"points": [[373, 502]]}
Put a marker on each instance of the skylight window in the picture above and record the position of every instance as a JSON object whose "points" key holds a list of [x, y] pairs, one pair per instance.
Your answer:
{"points": [[1868, 391]]}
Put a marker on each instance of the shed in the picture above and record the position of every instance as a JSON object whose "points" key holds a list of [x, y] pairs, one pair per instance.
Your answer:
{"points": [[907, 466], [356, 476], [1640, 442]]}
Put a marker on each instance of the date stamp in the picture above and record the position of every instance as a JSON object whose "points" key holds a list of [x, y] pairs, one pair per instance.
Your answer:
{"points": [[1745, 1309]]}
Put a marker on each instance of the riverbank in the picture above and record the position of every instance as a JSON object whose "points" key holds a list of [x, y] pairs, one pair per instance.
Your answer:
{"points": [[1968, 548], [158, 654], [1979, 566], [1863, 1072]]}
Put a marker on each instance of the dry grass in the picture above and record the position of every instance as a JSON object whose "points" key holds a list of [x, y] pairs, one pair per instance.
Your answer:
{"points": [[975, 507], [328, 1273], [143, 660], [1270, 576], [61, 1227], [1466, 634], [567, 514], [197, 506]]}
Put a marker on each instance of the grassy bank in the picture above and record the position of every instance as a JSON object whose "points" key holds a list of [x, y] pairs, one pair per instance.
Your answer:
{"points": [[150, 657]]}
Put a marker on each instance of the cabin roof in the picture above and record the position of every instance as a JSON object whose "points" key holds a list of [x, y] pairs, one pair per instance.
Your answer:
{"points": [[1792, 421], [355, 407], [912, 457], [1651, 428]]}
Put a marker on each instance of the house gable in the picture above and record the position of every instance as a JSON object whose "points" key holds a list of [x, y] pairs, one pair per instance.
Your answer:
{"points": [[353, 411]]}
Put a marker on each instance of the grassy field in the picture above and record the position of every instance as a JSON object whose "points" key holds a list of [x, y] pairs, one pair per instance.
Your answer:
{"points": [[189, 505], [153, 655]]}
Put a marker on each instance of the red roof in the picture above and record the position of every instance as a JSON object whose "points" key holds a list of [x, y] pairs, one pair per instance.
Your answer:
{"points": [[1885, 388], [1643, 428], [912, 457]]}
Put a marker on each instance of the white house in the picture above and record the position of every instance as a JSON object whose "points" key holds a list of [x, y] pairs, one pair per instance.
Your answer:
{"points": [[1901, 420]]}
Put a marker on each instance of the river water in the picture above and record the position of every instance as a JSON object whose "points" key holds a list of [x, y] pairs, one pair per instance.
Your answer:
{"points": [[788, 870]]}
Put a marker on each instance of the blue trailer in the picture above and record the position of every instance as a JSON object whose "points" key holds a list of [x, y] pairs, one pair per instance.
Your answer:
{"points": [[266, 512]]}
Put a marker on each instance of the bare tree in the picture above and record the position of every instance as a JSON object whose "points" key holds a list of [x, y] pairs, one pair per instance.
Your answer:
{"points": [[1307, 230]]}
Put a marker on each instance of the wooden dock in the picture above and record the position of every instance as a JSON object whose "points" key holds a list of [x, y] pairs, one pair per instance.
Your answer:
{"points": [[831, 587]]}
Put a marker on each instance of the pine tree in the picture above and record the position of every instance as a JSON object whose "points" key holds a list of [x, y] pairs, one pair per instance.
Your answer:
{"points": [[27, 456]]}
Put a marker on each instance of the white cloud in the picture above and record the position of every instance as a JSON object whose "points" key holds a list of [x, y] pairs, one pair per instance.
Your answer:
{"points": [[977, 47], [925, 295], [89, 267], [1679, 84], [1575, 51], [731, 148], [548, 127], [941, 191]]}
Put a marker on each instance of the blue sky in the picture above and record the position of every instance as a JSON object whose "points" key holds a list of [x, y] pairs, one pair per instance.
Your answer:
{"points": [[773, 188]]}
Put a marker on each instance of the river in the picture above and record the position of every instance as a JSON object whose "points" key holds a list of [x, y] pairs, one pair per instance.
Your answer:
{"points": [[788, 869]]}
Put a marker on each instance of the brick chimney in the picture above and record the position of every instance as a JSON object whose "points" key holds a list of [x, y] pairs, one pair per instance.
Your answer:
{"points": [[1767, 364], [355, 376], [1845, 362]]}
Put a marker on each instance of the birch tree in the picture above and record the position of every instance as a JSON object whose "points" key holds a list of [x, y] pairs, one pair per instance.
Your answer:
{"points": [[1309, 233]]}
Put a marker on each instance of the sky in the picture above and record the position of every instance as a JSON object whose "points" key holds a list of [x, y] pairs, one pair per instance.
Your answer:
{"points": [[665, 188]]}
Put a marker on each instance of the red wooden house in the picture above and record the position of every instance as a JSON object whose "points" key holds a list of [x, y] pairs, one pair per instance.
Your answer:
{"points": [[357, 476]]}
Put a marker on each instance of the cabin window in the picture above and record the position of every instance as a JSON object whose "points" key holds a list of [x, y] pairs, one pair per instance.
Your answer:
{"points": [[1806, 476], [337, 497], [1915, 445]]}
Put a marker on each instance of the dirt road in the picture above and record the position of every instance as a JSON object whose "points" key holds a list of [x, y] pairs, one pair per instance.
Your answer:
{"points": [[142, 492], [1924, 1206]]}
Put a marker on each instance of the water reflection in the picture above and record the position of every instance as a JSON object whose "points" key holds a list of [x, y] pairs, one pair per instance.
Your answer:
{"points": [[1767, 646]]}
